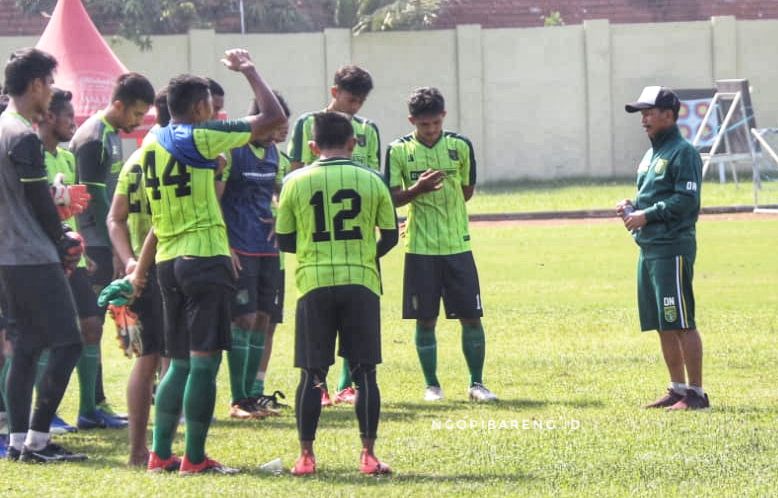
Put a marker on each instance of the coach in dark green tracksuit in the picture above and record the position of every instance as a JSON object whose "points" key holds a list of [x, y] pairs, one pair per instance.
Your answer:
{"points": [[662, 219]]}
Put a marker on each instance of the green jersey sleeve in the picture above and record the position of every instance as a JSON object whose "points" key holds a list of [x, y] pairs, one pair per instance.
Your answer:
{"points": [[285, 221], [298, 149], [215, 137], [468, 166], [395, 166]]}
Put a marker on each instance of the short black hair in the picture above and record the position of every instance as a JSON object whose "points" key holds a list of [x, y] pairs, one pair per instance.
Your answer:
{"points": [[4, 100], [184, 92], [354, 80], [215, 87], [331, 129], [131, 88], [254, 106], [426, 101], [59, 98], [26, 65], [160, 105]]}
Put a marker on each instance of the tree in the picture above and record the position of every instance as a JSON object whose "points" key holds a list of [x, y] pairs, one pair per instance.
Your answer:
{"points": [[137, 20], [385, 15]]}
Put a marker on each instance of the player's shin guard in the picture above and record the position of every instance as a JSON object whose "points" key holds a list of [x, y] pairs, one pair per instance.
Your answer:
{"points": [[18, 390], [199, 400], [368, 403], [427, 349], [256, 347], [167, 404], [308, 402], [53, 383], [474, 348]]}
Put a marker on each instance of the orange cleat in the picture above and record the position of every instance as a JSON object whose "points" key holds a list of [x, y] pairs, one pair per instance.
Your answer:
{"points": [[325, 398], [369, 464], [347, 395], [305, 465], [157, 464], [206, 466]]}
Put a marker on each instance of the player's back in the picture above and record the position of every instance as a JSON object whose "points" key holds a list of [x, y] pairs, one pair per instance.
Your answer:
{"points": [[336, 206]]}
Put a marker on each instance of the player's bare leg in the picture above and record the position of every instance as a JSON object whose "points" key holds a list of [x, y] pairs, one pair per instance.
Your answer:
{"points": [[139, 404], [673, 355]]}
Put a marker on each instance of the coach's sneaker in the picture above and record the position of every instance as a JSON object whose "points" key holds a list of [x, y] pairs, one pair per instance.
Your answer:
{"points": [[98, 419], [325, 398], [208, 465], [669, 399], [347, 395], [369, 464], [478, 392], [305, 465], [59, 426], [157, 464], [51, 453], [692, 401], [433, 393]]}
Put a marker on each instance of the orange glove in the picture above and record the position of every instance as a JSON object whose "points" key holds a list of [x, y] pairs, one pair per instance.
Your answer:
{"points": [[69, 199]]}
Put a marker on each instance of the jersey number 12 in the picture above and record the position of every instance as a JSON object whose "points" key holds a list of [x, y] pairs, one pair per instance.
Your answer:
{"points": [[339, 220]]}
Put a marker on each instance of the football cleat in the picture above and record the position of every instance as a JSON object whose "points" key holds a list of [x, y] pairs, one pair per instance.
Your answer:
{"points": [[478, 392], [347, 395], [692, 401], [433, 393], [98, 419], [157, 464], [369, 464], [206, 466], [51, 453], [669, 399], [325, 398], [305, 465], [59, 426]]}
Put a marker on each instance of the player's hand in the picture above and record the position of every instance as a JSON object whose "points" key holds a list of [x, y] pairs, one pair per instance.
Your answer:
{"points": [[621, 207], [236, 266], [118, 267], [237, 59], [91, 266], [129, 267], [271, 236], [635, 220], [70, 248], [429, 181]]}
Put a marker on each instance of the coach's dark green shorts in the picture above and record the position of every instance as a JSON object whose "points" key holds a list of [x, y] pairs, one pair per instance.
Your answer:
{"points": [[665, 295]]}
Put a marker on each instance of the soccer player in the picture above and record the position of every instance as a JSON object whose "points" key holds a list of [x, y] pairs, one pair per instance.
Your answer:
{"points": [[435, 171], [662, 219], [193, 255], [248, 185], [129, 222], [38, 302], [328, 214], [217, 97], [98, 150], [352, 85], [56, 127]]}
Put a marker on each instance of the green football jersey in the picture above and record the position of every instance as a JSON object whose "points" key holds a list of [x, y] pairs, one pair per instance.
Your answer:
{"points": [[284, 167], [139, 212], [64, 162], [437, 221], [366, 152], [185, 211], [334, 207]]}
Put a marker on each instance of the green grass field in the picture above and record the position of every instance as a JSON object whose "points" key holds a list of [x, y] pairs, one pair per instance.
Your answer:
{"points": [[564, 354]]}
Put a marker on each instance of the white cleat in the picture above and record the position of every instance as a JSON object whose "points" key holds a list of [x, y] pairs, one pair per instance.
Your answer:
{"points": [[479, 392], [433, 393]]}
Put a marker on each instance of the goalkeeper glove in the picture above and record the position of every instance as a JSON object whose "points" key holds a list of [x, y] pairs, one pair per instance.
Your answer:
{"points": [[70, 248], [118, 293], [128, 330], [69, 199]]}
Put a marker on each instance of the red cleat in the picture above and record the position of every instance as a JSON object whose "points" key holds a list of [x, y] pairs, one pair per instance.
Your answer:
{"points": [[369, 464], [157, 464], [325, 398], [305, 465], [206, 466], [347, 395]]}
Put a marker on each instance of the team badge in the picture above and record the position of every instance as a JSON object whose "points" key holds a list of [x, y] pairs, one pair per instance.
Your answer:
{"points": [[671, 313], [242, 297], [361, 140], [660, 167], [453, 154]]}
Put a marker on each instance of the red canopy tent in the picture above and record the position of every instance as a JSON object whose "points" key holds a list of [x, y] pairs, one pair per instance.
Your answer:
{"points": [[87, 65]]}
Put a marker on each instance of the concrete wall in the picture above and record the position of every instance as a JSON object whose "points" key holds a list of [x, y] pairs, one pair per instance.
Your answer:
{"points": [[537, 103]]}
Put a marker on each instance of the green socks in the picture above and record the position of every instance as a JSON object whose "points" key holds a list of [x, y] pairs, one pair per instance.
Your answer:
{"points": [[345, 376], [256, 348], [87, 378], [199, 400], [236, 359], [167, 404], [427, 349], [474, 347]]}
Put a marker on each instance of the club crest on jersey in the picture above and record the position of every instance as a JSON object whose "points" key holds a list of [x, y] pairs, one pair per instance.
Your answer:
{"points": [[361, 140], [660, 166], [670, 310], [242, 297], [453, 154]]}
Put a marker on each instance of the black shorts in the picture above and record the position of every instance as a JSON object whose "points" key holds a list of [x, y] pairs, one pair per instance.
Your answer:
{"points": [[196, 295], [148, 307], [429, 278], [84, 295], [40, 309], [349, 312], [103, 260], [260, 287]]}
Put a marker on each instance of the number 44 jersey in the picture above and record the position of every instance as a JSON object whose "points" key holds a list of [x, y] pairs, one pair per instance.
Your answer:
{"points": [[334, 206], [178, 171]]}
